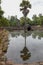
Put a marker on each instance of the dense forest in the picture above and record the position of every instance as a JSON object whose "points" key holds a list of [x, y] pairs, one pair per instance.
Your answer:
{"points": [[14, 21]]}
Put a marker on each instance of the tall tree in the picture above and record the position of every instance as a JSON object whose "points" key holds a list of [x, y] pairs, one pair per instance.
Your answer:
{"points": [[35, 19], [41, 19], [1, 11], [3, 21], [14, 21], [24, 8]]}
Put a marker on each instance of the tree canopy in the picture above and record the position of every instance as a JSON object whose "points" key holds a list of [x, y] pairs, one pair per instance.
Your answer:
{"points": [[24, 7]]}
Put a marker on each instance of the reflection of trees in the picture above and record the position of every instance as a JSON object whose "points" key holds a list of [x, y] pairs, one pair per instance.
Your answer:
{"points": [[34, 34], [25, 54], [27, 34], [14, 34], [3, 44], [39, 34]]}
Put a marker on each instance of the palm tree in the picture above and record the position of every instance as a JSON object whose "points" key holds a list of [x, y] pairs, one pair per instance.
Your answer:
{"points": [[24, 8]]}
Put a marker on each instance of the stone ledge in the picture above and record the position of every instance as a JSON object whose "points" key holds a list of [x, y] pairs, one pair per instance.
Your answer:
{"points": [[11, 63]]}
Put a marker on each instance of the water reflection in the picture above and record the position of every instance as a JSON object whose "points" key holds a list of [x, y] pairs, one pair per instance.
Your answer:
{"points": [[31, 51], [38, 33], [25, 54], [33, 33]]}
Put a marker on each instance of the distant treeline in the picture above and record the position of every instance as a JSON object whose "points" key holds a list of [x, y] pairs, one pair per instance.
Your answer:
{"points": [[14, 21]]}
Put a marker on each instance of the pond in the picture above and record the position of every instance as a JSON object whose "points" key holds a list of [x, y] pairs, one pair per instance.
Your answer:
{"points": [[25, 47]]}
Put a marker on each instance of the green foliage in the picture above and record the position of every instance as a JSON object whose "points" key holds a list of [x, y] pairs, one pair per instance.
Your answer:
{"points": [[4, 22], [37, 20], [1, 12], [22, 21], [24, 7], [41, 19], [14, 21], [25, 3]]}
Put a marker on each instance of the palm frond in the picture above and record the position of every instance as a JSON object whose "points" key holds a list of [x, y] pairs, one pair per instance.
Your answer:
{"points": [[24, 7]]}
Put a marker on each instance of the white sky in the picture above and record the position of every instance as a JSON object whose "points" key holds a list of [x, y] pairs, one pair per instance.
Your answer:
{"points": [[11, 7]]}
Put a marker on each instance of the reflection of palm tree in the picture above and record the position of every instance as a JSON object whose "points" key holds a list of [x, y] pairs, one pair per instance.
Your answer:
{"points": [[26, 55], [25, 52]]}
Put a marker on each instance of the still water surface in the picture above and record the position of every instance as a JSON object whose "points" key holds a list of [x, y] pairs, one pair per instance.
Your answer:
{"points": [[31, 42]]}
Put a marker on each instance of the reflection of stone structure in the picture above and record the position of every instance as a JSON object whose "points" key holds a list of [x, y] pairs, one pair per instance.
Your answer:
{"points": [[3, 44]]}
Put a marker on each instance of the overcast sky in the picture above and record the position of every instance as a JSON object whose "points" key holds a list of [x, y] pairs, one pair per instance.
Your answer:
{"points": [[11, 7]]}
